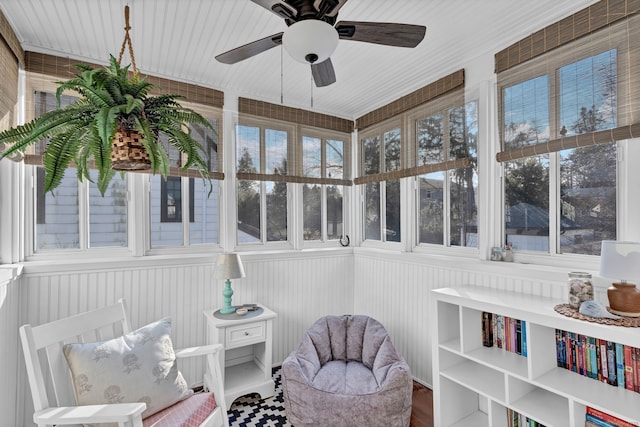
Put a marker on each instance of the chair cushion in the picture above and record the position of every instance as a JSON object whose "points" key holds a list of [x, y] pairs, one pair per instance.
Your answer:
{"points": [[190, 412], [137, 367], [350, 378]]}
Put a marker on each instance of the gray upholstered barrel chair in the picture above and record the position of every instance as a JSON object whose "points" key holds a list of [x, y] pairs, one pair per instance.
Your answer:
{"points": [[346, 372]]}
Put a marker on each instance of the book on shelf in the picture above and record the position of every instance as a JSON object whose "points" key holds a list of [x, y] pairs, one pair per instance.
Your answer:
{"points": [[636, 368], [611, 363], [629, 378], [615, 364], [620, 365], [603, 419], [504, 332], [515, 419], [487, 329]]}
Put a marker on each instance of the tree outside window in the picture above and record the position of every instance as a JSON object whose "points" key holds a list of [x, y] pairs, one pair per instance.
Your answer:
{"points": [[262, 210], [586, 93]]}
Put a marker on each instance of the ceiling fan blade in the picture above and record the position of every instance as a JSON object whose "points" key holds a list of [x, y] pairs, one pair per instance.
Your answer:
{"points": [[390, 34], [250, 49], [280, 8], [323, 73], [328, 7]]}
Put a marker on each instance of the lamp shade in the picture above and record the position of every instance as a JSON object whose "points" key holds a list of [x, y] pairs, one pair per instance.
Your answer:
{"points": [[310, 41], [620, 260], [229, 266]]}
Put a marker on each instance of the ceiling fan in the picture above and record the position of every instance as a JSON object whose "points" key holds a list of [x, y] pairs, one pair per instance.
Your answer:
{"points": [[312, 35]]}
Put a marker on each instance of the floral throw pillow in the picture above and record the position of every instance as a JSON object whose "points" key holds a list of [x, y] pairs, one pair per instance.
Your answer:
{"points": [[137, 367]]}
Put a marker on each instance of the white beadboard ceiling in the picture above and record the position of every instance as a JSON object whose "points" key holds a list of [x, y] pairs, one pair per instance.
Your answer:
{"points": [[179, 39]]}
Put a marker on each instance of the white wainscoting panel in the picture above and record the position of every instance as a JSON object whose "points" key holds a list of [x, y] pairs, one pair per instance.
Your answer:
{"points": [[10, 355], [300, 287], [395, 289]]}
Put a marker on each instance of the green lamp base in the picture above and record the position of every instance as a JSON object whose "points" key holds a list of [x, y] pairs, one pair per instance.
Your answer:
{"points": [[227, 293]]}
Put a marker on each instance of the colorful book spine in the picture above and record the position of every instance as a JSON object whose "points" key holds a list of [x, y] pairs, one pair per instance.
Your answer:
{"points": [[620, 365], [636, 368], [609, 420], [594, 358], [524, 338], [615, 364], [629, 379], [487, 331], [597, 421], [603, 361], [559, 349], [504, 332], [579, 355], [515, 419], [500, 331], [518, 337], [611, 364]]}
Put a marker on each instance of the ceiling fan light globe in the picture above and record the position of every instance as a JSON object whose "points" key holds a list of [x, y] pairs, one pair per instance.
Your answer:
{"points": [[310, 39]]}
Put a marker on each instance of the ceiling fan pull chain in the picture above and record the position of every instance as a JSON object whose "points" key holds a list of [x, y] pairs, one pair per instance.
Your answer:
{"points": [[311, 80], [127, 40]]}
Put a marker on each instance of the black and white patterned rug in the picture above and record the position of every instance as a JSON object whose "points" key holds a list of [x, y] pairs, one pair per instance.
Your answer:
{"points": [[251, 411]]}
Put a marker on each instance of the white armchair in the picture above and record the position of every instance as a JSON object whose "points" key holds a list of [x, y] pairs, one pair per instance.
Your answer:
{"points": [[47, 347]]}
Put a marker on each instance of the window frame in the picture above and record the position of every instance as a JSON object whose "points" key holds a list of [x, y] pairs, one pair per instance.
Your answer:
{"points": [[379, 130], [441, 106], [549, 64], [324, 135], [262, 125], [138, 186]]}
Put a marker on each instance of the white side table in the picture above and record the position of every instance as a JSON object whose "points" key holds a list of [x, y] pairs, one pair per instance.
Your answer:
{"points": [[247, 353]]}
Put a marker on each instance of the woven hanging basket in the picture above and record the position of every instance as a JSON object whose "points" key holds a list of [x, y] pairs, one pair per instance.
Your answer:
{"points": [[128, 152]]}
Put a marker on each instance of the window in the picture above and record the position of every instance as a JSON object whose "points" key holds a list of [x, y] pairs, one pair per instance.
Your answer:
{"points": [[180, 197], [322, 204], [447, 199], [171, 199], [58, 215], [381, 153], [75, 216], [262, 165], [573, 190]]}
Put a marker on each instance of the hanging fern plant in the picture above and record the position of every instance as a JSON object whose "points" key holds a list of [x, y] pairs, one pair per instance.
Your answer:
{"points": [[112, 102]]}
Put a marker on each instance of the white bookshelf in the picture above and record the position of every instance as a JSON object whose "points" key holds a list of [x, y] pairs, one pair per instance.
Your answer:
{"points": [[474, 385]]}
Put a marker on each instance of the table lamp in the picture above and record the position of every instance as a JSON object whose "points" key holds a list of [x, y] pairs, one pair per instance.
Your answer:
{"points": [[621, 261], [228, 266]]}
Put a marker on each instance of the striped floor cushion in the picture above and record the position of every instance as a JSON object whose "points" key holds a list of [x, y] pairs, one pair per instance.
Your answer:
{"points": [[190, 412]]}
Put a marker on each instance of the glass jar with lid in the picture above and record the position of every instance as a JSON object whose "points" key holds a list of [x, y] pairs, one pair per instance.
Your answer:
{"points": [[580, 288]]}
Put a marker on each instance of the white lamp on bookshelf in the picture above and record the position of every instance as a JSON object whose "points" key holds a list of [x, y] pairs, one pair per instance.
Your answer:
{"points": [[621, 260]]}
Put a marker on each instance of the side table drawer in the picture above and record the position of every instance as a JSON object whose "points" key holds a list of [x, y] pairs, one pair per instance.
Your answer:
{"points": [[238, 336]]}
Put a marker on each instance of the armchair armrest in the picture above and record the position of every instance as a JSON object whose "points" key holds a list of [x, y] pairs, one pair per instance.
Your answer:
{"points": [[201, 350], [213, 376], [126, 414]]}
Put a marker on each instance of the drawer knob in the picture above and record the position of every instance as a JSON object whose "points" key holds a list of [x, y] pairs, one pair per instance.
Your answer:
{"points": [[246, 333]]}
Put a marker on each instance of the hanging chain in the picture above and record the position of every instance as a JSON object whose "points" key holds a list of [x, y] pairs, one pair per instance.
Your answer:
{"points": [[127, 40], [311, 88]]}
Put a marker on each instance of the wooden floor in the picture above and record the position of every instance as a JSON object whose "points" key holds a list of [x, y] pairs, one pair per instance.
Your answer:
{"points": [[422, 406]]}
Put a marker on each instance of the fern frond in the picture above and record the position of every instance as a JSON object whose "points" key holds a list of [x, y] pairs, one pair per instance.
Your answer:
{"points": [[57, 157]]}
